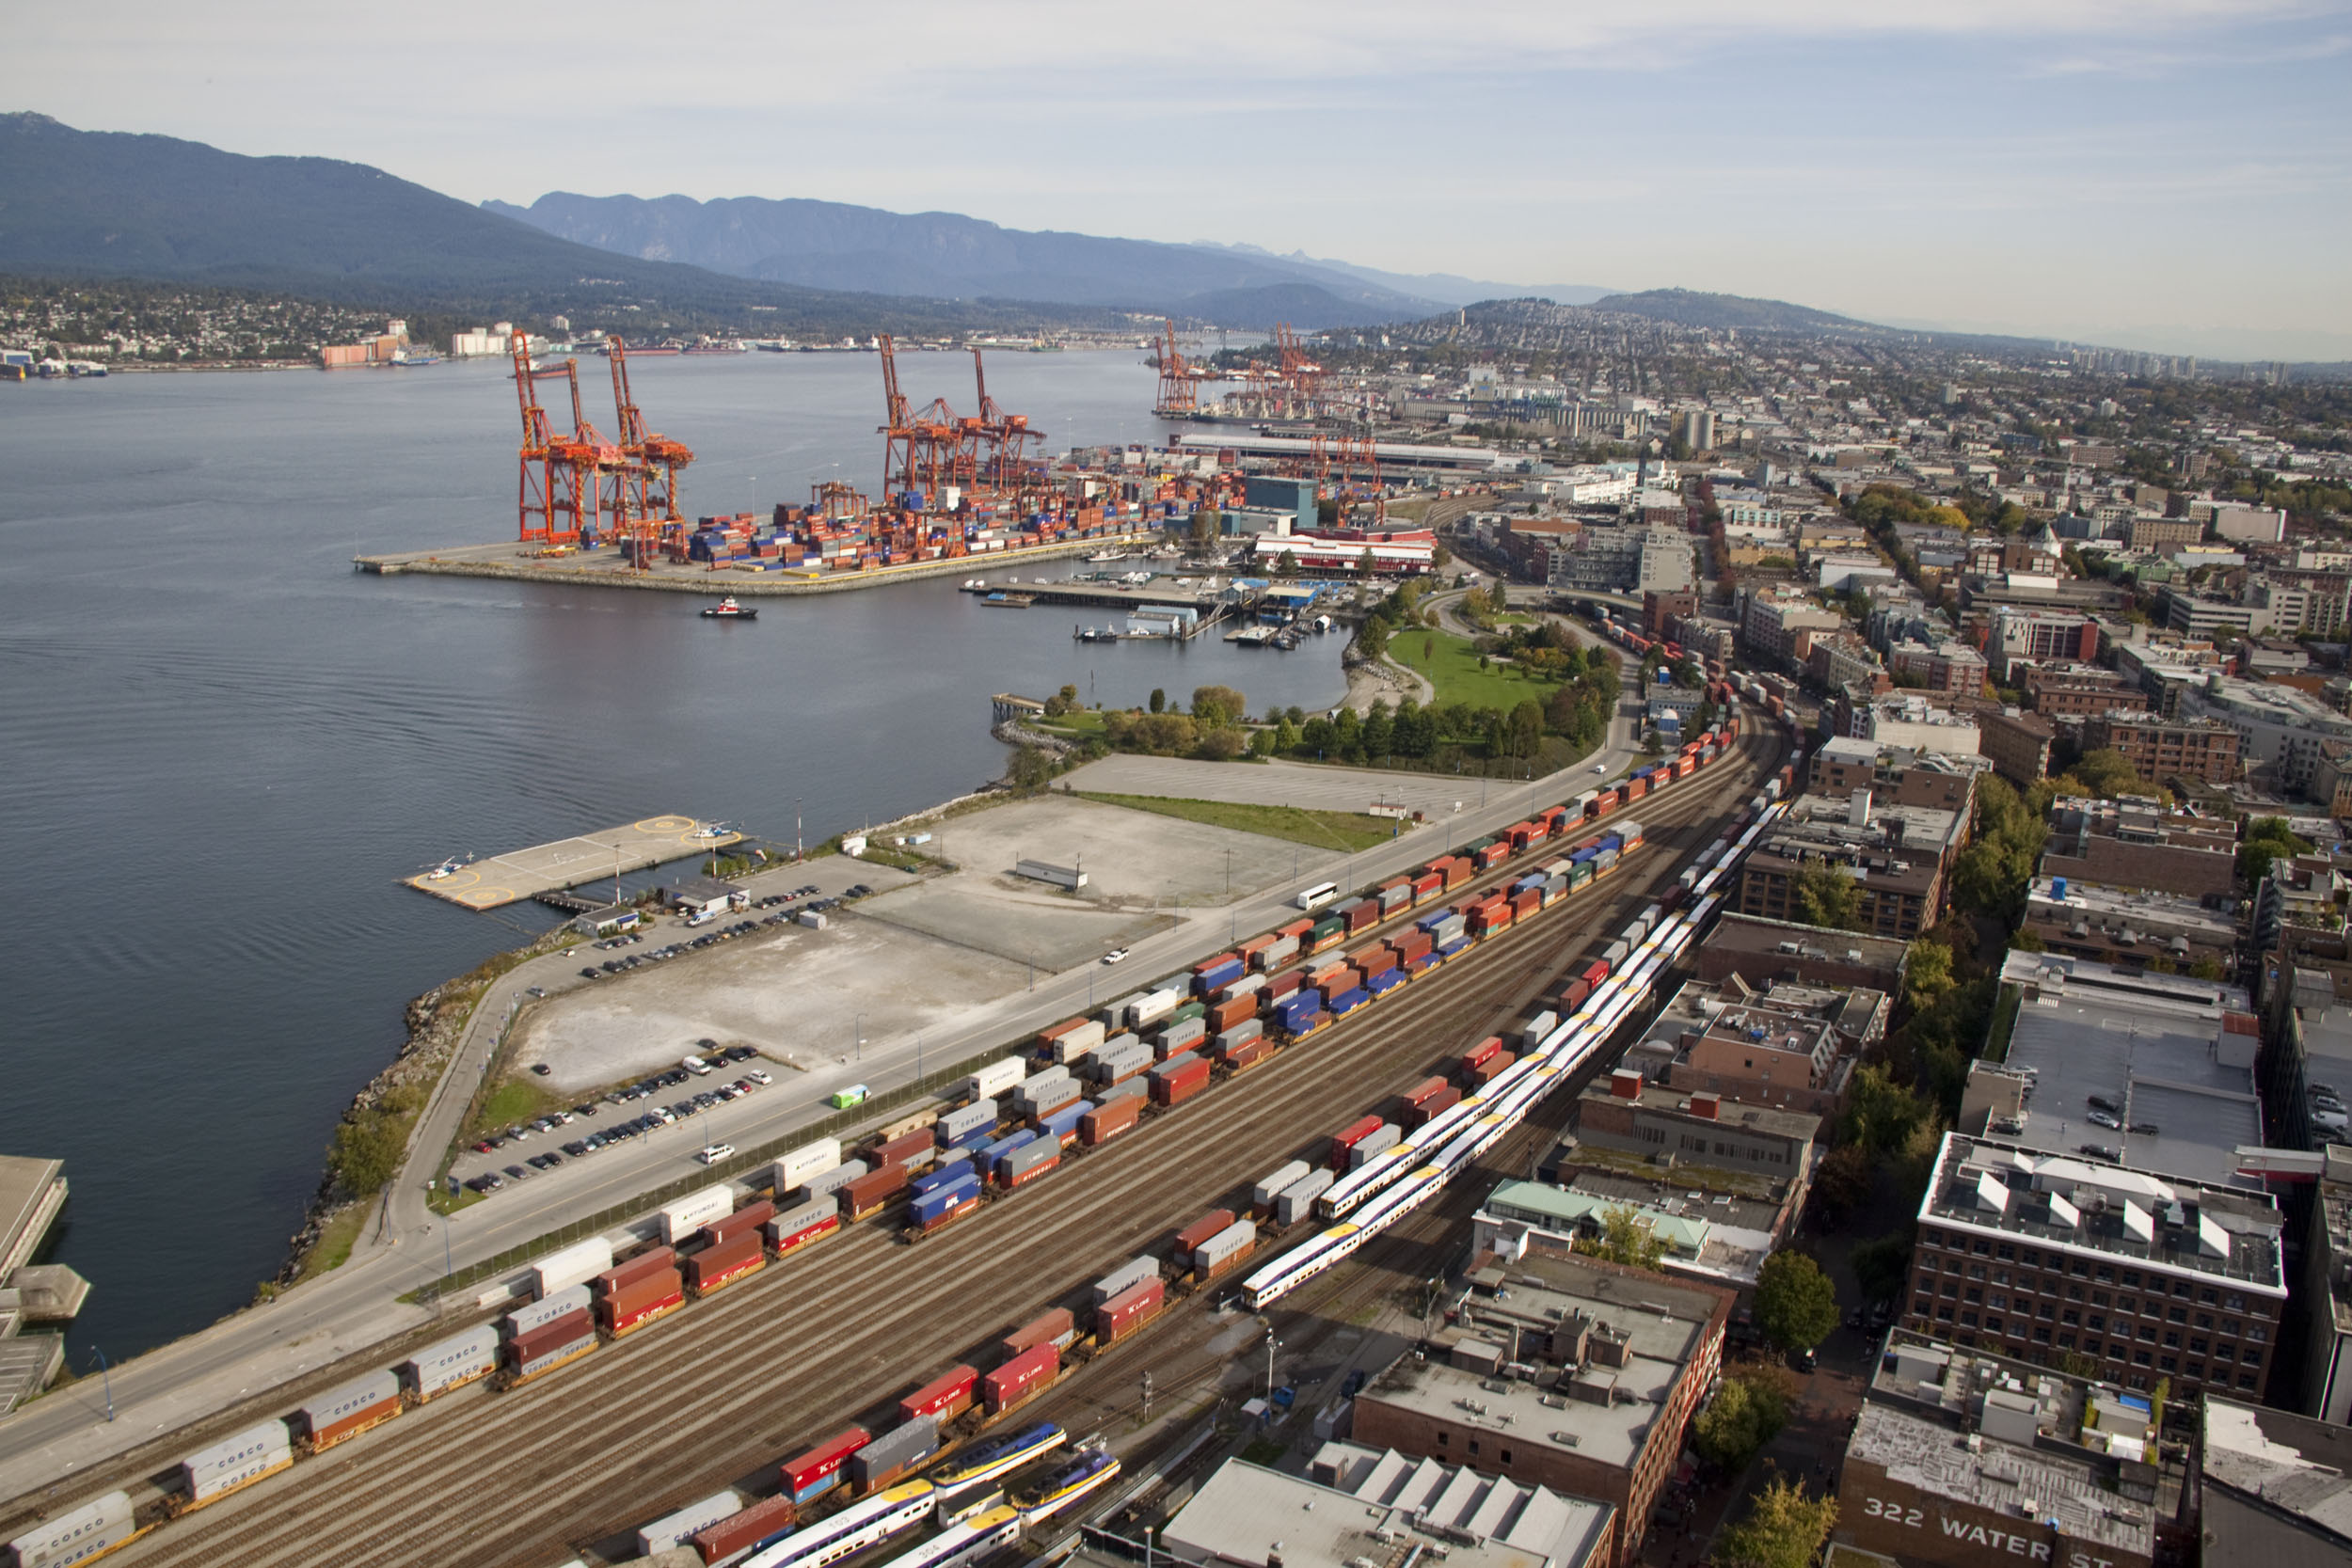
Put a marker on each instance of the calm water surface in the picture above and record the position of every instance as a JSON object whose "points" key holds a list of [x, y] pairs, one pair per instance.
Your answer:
{"points": [[219, 747]]}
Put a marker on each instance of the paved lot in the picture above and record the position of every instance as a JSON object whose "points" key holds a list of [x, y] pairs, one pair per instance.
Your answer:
{"points": [[1132, 859], [1281, 783]]}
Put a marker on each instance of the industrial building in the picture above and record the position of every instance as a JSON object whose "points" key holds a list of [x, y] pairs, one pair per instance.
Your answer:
{"points": [[2037, 1257], [2127, 925], [1721, 1239], [2267, 1489], [1625, 1112]]}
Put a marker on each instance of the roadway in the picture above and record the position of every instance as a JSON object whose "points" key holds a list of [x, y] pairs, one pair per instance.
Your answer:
{"points": [[246, 1361]]}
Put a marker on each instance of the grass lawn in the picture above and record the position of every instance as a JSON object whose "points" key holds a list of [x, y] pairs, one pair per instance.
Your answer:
{"points": [[1326, 830], [1450, 665], [1085, 721], [337, 1240], [516, 1099]]}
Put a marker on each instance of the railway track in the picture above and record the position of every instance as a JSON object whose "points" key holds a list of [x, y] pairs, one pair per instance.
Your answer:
{"points": [[721, 1391]]}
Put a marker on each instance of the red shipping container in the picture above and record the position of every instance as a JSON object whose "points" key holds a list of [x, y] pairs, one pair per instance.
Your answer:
{"points": [[1055, 1328], [1525, 903], [1362, 916], [1224, 1015], [1020, 1377], [727, 1262], [945, 1397], [547, 1336], [1365, 960], [1047, 1036], [1248, 1054], [1297, 930], [814, 1230], [1254, 946], [869, 1194], [1284, 984], [649, 1262], [1493, 856], [1412, 945], [1423, 1090], [1428, 885], [740, 1532], [1595, 973], [1483, 1050], [1349, 1136], [1420, 1115], [1172, 1088], [903, 1151], [1107, 1122], [750, 1217], [634, 1305], [824, 1460], [1219, 961], [1129, 1310], [1201, 1229]]}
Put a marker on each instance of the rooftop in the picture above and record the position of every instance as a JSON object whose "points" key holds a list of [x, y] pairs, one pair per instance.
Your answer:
{"points": [[2070, 899], [2100, 1208], [2001, 1478], [1368, 1506], [1717, 1237], [2274, 1482], [1730, 1112]]}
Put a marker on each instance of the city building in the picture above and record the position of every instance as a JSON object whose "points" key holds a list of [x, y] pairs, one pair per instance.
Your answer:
{"points": [[1741, 1201], [2130, 927], [2133, 842], [1625, 1112], [2016, 744], [1946, 666], [2299, 890], [1898, 857], [1908, 719], [2169, 1059], [1790, 1046], [1772, 622], [2331, 779], [1580, 1378], [2281, 730], [2016, 635], [1360, 1506], [2267, 1489], [1762, 952], [1538, 546], [1958, 1458], [2307, 1005], [2160, 749], [2075, 689], [2074, 1262], [1698, 1238], [2327, 1296]]}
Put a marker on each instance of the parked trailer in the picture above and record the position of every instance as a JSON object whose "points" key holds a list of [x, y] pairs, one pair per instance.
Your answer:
{"points": [[450, 1363], [343, 1413]]}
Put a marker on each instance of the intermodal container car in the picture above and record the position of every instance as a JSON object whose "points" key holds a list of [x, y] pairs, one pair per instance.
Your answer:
{"points": [[744, 1221], [870, 1195], [798, 1227], [551, 1345], [1061, 1127], [1128, 1311], [640, 1302], [721, 1265], [1057, 1328], [1173, 1089], [1349, 1137], [1110, 1120], [1361, 915], [945, 1397], [808, 1474], [1224, 1015], [1297, 1201], [1027, 1164], [1197, 1232], [893, 1454], [346, 1412], [1181, 1036], [1019, 1379], [738, 1533], [1221, 973], [651, 1262], [1348, 1001], [1422, 1114], [450, 1363]]}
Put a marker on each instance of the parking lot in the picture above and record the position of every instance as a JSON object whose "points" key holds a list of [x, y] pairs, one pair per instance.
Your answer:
{"points": [[699, 1083]]}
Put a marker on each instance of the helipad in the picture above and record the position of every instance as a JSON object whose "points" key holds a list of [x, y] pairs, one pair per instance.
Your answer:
{"points": [[520, 874]]}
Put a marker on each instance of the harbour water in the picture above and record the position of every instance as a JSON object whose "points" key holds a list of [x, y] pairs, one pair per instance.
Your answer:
{"points": [[222, 746]]}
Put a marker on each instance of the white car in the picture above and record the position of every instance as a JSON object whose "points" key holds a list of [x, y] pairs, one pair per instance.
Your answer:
{"points": [[1600, 767], [712, 1153], [1117, 955], [694, 1065], [756, 1076]]}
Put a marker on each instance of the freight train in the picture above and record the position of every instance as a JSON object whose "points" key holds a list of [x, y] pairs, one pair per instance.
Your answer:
{"points": [[1271, 991]]}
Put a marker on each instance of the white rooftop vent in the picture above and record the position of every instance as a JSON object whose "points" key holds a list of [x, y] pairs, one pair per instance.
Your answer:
{"points": [[2212, 1239], [2064, 1214], [2139, 1224], [1991, 1193]]}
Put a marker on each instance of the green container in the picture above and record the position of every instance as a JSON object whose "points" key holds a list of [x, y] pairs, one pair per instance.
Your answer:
{"points": [[1326, 927], [1190, 1009]]}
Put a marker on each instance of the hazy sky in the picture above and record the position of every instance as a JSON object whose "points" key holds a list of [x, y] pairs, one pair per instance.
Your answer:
{"points": [[2166, 173]]}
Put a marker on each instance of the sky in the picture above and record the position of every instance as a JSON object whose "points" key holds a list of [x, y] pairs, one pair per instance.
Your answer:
{"points": [[2162, 174]]}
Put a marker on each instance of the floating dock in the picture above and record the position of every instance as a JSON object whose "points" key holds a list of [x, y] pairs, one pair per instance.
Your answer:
{"points": [[520, 874]]}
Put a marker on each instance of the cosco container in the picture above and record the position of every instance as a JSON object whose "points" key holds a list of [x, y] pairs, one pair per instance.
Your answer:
{"points": [[798, 1227], [574, 1265], [805, 1162], [826, 1183], [98, 1526], [1537, 1027], [1181, 1036], [1114, 1067], [690, 1214], [944, 1398], [954, 1126], [1267, 1188], [1124, 1314], [1296, 1202], [452, 1363], [1225, 1250], [1043, 1102], [808, 1474], [347, 1411], [673, 1529], [1374, 1144], [894, 1453], [547, 1310]]}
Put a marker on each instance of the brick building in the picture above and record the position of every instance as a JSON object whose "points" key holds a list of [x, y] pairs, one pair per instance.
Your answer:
{"points": [[1763, 951], [2133, 842], [1896, 775], [1626, 1112], [1898, 857], [2017, 744], [2161, 748], [2080, 688], [1620, 1357]]}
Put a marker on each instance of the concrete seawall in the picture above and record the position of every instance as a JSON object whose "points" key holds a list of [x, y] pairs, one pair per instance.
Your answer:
{"points": [[483, 560]]}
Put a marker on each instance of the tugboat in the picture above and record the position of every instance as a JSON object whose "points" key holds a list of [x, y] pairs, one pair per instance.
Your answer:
{"points": [[727, 608]]}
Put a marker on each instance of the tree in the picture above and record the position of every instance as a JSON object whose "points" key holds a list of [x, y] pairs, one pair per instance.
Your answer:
{"points": [[1365, 565], [1525, 732], [1379, 731], [1224, 743], [367, 1150], [1159, 700], [1824, 895], [1217, 705], [1842, 1181], [1624, 1239], [1032, 766], [1286, 564], [2267, 840], [1796, 1303], [1881, 1265], [1205, 523], [2107, 774], [1927, 975], [1782, 1528], [1746, 1413]]}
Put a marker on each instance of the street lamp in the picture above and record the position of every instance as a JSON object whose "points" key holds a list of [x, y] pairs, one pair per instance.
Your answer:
{"points": [[106, 1378], [1272, 1344]]}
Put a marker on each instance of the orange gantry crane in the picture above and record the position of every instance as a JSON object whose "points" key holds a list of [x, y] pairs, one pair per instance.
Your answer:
{"points": [[647, 488], [1180, 389], [1006, 435], [558, 489]]}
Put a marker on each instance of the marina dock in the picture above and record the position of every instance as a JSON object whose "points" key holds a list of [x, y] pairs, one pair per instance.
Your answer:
{"points": [[520, 874]]}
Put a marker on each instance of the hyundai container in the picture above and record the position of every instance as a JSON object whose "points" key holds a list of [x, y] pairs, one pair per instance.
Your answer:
{"points": [[994, 1079], [944, 1398], [1027, 1164], [574, 1265], [805, 1162], [690, 1214]]}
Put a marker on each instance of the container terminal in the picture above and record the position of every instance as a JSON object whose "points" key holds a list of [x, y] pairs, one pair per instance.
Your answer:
{"points": [[1091, 1152], [955, 490]]}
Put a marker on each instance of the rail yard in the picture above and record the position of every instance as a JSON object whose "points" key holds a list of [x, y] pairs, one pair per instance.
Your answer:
{"points": [[840, 1330]]}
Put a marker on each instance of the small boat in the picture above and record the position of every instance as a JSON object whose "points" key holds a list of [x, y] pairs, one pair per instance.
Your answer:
{"points": [[727, 610]]}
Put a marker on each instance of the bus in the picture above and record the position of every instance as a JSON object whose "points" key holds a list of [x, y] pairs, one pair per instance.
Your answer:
{"points": [[1318, 896]]}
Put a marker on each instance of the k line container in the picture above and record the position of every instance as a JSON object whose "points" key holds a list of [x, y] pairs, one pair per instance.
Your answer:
{"points": [[822, 1463], [1124, 1314], [675, 1529], [1020, 1378], [727, 1262], [944, 1398], [636, 1305]]}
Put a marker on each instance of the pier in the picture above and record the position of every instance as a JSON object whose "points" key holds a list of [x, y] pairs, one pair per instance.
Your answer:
{"points": [[570, 862]]}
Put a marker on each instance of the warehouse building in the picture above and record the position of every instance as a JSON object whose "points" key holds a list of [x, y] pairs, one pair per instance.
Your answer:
{"points": [[2268, 1489]]}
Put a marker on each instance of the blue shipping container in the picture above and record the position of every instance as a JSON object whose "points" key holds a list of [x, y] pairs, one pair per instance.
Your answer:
{"points": [[1385, 982], [1012, 1145], [1347, 1001], [1454, 947], [1431, 921], [1584, 855], [1062, 1125], [1223, 974], [957, 1168], [933, 1204]]}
